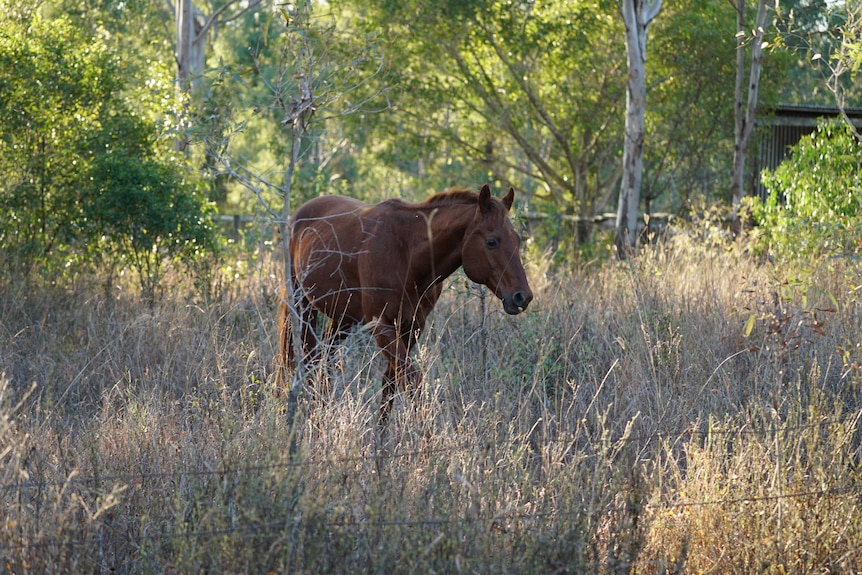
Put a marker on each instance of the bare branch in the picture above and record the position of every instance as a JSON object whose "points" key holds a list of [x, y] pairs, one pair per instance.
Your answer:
{"points": [[651, 10], [213, 18], [488, 95]]}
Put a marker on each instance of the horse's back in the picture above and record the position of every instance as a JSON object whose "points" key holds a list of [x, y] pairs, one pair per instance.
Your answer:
{"points": [[327, 207], [327, 237], [323, 221]]}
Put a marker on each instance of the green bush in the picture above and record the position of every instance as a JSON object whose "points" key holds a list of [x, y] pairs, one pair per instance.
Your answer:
{"points": [[84, 180], [54, 81], [146, 214], [814, 201]]}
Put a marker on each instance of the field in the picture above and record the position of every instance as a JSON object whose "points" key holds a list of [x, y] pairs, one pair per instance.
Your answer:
{"points": [[693, 410]]}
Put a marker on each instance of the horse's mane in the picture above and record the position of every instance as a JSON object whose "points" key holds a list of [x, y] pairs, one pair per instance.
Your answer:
{"points": [[453, 196]]}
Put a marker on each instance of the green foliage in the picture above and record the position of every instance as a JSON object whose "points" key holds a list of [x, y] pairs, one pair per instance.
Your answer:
{"points": [[528, 94], [818, 34], [84, 179], [270, 67], [148, 214], [55, 83], [814, 205], [533, 94], [691, 71]]}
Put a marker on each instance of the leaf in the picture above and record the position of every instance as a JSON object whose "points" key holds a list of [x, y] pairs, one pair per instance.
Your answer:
{"points": [[286, 15], [749, 325], [833, 300]]}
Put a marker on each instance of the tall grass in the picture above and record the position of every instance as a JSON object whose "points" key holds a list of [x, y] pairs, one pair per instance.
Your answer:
{"points": [[692, 410]]}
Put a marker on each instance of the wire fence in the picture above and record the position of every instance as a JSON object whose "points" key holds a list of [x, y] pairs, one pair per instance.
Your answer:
{"points": [[296, 462], [245, 529], [274, 528]]}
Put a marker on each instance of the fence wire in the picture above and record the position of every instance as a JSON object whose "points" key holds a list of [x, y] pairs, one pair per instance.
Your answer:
{"points": [[272, 528], [381, 456]]}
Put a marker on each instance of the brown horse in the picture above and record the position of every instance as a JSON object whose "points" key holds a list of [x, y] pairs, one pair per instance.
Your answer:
{"points": [[383, 266]]}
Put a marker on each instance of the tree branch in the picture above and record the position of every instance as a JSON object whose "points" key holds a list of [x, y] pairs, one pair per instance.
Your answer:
{"points": [[518, 76], [213, 18]]}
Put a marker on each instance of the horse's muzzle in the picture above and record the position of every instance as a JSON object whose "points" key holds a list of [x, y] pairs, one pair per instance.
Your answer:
{"points": [[517, 302]]}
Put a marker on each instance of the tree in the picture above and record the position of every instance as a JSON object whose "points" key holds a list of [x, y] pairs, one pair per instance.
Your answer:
{"points": [[637, 14], [533, 94], [521, 93], [690, 139], [192, 30], [84, 178], [745, 100]]}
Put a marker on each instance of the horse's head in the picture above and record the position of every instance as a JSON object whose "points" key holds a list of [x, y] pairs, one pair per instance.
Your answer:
{"points": [[490, 253]]}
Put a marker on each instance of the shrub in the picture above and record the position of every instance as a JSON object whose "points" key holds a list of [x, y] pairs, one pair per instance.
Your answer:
{"points": [[147, 214], [84, 180], [814, 204]]}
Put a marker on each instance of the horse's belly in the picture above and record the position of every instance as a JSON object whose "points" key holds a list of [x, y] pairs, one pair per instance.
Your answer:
{"points": [[330, 284]]}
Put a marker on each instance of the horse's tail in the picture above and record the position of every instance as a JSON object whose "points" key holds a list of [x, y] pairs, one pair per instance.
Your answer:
{"points": [[283, 361]]}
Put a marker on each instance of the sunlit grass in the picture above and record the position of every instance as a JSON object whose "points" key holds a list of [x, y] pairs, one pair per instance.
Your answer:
{"points": [[692, 410]]}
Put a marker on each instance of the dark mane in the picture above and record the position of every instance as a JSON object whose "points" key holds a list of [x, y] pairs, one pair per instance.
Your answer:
{"points": [[453, 196]]}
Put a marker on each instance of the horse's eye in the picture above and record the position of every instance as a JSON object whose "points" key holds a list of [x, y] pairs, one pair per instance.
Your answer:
{"points": [[492, 243]]}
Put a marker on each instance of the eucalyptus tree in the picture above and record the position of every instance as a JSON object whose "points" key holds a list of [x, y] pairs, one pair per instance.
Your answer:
{"points": [[637, 15], [525, 93]]}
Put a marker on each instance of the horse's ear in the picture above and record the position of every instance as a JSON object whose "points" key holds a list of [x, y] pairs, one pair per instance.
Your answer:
{"points": [[485, 198], [509, 199]]}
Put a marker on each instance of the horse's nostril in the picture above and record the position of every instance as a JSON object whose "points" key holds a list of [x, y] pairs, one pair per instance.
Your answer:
{"points": [[519, 299]]}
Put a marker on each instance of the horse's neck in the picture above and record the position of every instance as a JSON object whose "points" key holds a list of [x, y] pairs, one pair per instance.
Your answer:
{"points": [[443, 237]]}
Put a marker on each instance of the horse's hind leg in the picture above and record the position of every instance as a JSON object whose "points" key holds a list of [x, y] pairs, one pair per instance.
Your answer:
{"points": [[400, 374], [285, 360], [388, 389]]}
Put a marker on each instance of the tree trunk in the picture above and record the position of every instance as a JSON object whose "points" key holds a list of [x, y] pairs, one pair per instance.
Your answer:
{"points": [[745, 110], [190, 55], [637, 15], [192, 30], [185, 17]]}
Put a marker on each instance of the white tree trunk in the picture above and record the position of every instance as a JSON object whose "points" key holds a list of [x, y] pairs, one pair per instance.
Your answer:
{"points": [[745, 109], [637, 15], [186, 44], [192, 30]]}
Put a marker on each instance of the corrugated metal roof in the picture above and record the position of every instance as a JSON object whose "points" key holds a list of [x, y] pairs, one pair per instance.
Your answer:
{"points": [[785, 125], [814, 111]]}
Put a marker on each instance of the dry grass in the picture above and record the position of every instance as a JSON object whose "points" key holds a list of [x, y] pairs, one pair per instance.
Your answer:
{"points": [[691, 411]]}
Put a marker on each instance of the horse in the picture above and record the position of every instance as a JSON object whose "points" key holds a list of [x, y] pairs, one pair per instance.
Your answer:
{"points": [[382, 266]]}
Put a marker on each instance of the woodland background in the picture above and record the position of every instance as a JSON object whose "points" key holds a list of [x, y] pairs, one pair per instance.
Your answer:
{"points": [[692, 408]]}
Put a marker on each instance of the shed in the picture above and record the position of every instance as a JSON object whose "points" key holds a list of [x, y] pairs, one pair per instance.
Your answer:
{"points": [[784, 127]]}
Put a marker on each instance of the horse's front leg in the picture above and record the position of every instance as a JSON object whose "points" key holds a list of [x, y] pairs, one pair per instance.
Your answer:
{"points": [[400, 371]]}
